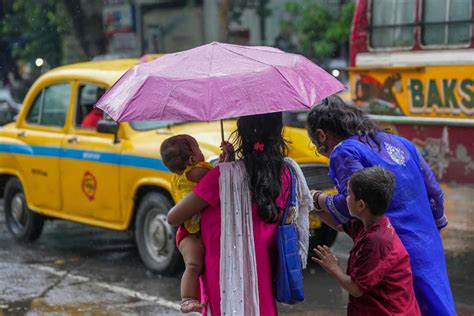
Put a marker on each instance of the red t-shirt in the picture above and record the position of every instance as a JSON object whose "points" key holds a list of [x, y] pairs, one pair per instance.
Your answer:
{"points": [[92, 118], [379, 264]]}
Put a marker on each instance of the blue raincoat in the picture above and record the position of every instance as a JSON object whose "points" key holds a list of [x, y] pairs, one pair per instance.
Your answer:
{"points": [[416, 210]]}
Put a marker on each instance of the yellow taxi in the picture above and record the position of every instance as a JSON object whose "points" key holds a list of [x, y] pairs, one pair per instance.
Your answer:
{"points": [[64, 159]]}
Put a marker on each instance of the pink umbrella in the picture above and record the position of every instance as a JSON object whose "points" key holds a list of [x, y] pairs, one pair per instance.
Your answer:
{"points": [[217, 81]]}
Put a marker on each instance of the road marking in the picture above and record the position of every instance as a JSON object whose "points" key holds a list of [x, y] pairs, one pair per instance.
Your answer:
{"points": [[110, 287]]}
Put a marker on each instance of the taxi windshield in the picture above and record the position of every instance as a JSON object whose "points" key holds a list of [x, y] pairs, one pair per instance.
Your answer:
{"points": [[149, 125]]}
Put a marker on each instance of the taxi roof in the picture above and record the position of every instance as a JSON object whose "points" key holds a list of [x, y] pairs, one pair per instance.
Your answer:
{"points": [[106, 72]]}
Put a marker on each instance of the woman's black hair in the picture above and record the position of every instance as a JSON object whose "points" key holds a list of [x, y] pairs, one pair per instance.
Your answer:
{"points": [[335, 116], [264, 161]]}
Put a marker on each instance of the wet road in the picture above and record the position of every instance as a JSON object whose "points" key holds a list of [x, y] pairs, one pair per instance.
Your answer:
{"points": [[75, 270]]}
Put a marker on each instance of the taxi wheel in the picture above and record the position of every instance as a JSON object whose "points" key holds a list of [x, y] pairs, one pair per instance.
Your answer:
{"points": [[324, 235], [25, 225], [155, 238]]}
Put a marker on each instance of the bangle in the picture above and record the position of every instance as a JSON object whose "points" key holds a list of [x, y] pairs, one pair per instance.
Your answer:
{"points": [[316, 200]]}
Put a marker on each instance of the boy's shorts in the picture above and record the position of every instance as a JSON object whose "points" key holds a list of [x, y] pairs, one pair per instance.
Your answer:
{"points": [[181, 233]]}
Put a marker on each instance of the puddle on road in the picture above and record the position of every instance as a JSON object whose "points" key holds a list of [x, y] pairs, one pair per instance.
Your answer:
{"points": [[16, 308], [38, 306]]}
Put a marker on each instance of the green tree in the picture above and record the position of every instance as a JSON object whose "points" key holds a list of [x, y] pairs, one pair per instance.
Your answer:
{"points": [[34, 29], [7, 63], [42, 29], [319, 32], [28, 30]]}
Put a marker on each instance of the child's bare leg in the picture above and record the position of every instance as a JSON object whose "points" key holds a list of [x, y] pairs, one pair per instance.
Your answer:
{"points": [[192, 249]]}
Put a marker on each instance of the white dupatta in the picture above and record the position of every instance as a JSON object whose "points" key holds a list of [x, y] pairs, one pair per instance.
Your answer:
{"points": [[238, 266]]}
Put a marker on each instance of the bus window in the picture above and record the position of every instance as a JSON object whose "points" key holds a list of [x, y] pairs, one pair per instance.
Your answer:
{"points": [[446, 22], [393, 23]]}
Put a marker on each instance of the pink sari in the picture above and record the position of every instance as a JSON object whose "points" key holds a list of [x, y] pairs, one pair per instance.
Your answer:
{"points": [[265, 247]]}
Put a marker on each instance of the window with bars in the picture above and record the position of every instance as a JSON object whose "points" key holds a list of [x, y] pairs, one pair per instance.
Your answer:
{"points": [[446, 22], [393, 23]]}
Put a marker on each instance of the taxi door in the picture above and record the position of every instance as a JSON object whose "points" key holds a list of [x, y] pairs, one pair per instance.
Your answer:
{"points": [[90, 164], [41, 132]]}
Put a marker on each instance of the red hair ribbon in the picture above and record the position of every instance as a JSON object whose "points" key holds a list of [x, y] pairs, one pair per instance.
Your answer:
{"points": [[258, 146]]}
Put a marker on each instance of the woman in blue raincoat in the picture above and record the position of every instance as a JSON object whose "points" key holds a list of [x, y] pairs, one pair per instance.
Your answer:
{"points": [[352, 142]]}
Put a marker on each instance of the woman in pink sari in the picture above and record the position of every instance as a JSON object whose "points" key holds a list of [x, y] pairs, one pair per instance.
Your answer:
{"points": [[240, 281]]}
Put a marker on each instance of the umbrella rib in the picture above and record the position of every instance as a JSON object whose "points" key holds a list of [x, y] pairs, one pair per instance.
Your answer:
{"points": [[240, 54], [290, 84], [208, 108], [263, 48], [165, 104], [274, 67]]}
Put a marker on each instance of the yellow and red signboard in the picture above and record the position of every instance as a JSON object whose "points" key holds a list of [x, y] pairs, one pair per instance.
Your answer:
{"points": [[428, 91], [433, 106]]}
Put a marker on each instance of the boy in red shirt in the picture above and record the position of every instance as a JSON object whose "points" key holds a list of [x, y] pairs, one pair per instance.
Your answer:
{"points": [[379, 278]]}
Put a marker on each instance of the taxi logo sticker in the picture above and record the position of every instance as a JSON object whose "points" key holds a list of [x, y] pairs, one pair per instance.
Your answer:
{"points": [[89, 185]]}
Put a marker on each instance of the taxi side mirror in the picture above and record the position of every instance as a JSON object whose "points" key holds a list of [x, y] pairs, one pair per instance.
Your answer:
{"points": [[107, 127]]}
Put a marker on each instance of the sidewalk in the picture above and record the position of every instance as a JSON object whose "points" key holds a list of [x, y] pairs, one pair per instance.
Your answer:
{"points": [[40, 289]]}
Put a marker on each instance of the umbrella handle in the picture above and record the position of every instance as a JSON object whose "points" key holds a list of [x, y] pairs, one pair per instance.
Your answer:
{"points": [[222, 130]]}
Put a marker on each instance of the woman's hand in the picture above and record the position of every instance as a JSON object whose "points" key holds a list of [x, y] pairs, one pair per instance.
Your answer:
{"points": [[321, 212], [326, 259], [228, 153], [315, 196]]}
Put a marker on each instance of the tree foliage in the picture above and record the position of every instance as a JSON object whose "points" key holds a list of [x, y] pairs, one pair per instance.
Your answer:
{"points": [[319, 32], [34, 29]]}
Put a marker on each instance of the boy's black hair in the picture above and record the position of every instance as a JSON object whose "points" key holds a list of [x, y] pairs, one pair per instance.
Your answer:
{"points": [[374, 186], [175, 152]]}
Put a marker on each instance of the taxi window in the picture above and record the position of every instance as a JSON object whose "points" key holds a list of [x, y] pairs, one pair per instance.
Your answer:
{"points": [[35, 110], [87, 116], [50, 106]]}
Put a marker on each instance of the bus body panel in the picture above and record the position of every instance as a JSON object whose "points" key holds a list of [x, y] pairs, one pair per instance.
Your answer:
{"points": [[420, 90]]}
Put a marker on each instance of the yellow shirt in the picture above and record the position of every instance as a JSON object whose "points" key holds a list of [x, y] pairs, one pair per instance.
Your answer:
{"points": [[182, 186]]}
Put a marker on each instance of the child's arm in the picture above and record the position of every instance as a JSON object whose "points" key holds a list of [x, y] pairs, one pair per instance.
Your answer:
{"points": [[330, 263]]}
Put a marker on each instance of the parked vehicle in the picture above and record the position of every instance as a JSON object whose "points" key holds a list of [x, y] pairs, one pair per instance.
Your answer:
{"points": [[54, 165], [8, 107]]}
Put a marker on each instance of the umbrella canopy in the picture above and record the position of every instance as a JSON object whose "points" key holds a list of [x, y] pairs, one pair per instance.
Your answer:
{"points": [[217, 81]]}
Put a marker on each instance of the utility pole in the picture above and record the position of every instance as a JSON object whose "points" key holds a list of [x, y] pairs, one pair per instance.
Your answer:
{"points": [[262, 12], [212, 21], [261, 8], [224, 19], [138, 26]]}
